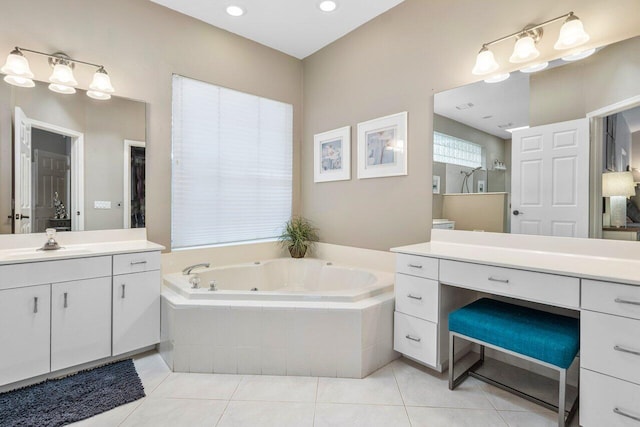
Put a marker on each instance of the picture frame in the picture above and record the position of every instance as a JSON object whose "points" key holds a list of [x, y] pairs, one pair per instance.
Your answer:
{"points": [[481, 187], [332, 155], [382, 147], [436, 184]]}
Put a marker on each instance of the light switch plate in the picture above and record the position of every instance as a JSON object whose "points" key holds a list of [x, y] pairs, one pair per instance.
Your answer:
{"points": [[101, 204]]}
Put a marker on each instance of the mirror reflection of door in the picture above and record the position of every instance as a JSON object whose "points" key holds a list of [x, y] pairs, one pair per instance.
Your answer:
{"points": [[134, 184]]}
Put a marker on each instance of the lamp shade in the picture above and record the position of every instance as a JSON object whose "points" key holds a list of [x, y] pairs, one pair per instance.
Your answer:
{"points": [[63, 75], [524, 50], [19, 81], [485, 63], [618, 184], [17, 65], [101, 96], [101, 82], [572, 34], [66, 90]]}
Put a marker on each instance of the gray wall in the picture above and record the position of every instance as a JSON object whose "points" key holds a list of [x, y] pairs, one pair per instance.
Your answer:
{"points": [[396, 62], [48, 141], [141, 44]]}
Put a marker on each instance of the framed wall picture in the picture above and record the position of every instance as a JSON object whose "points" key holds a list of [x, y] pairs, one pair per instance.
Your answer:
{"points": [[436, 184], [332, 155], [382, 147]]}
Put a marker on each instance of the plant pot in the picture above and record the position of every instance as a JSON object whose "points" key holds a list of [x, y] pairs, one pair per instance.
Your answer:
{"points": [[297, 253]]}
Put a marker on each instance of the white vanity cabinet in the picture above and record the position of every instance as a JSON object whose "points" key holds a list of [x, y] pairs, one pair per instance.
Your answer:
{"points": [[58, 314], [80, 322], [136, 301], [25, 329]]}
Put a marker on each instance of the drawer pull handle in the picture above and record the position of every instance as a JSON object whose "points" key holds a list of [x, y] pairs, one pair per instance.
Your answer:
{"points": [[409, 337], [419, 298], [414, 265], [35, 304], [626, 301], [65, 300], [624, 414], [497, 279], [123, 286], [138, 262], [626, 350]]}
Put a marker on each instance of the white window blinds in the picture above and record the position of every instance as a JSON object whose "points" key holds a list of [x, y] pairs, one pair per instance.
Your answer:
{"points": [[449, 149], [232, 165]]}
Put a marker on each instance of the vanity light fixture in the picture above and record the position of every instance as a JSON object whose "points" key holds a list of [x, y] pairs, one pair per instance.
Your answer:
{"points": [[535, 67], [327, 6], [61, 80], [572, 34], [497, 78], [235, 10]]}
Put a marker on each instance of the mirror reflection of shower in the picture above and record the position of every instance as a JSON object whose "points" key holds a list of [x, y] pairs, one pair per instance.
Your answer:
{"points": [[465, 180]]}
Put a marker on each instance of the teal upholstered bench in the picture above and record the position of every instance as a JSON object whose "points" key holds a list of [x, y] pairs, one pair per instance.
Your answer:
{"points": [[549, 339]]}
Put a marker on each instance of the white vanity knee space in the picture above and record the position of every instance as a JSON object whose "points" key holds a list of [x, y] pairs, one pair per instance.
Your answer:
{"points": [[61, 313]]}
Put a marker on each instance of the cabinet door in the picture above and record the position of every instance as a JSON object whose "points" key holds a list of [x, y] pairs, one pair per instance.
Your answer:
{"points": [[136, 311], [24, 333], [80, 322]]}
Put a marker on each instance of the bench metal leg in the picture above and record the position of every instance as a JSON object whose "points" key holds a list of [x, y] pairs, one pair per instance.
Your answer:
{"points": [[562, 395], [453, 381]]}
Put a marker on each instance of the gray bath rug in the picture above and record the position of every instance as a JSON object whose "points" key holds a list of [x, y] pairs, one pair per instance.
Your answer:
{"points": [[76, 397]]}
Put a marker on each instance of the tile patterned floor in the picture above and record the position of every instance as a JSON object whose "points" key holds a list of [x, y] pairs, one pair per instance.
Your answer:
{"points": [[400, 394]]}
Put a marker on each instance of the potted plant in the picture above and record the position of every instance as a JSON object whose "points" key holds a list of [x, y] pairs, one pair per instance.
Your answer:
{"points": [[298, 235]]}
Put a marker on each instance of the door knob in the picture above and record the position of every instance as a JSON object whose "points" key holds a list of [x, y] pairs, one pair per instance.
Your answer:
{"points": [[20, 216], [517, 212]]}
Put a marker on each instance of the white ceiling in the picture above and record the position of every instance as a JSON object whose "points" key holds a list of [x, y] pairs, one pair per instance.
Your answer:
{"points": [[295, 27]]}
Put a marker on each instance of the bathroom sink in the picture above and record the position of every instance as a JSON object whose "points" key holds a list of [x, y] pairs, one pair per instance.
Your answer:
{"points": [[35, 253]]}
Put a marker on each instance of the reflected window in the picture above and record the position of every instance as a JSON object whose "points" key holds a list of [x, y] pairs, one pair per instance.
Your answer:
{"points": [[449, 149], [232, 165]]}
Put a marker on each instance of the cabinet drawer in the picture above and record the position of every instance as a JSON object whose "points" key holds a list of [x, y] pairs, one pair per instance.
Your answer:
{"points": [[40, 273], [613, 298], [601, 395], [528, 285], [417, 266], [604, 339], [417, 297], [136, 262], [416, 338]]}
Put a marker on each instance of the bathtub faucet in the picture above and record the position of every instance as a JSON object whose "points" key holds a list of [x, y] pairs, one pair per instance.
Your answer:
{"points": [[190, 268]]}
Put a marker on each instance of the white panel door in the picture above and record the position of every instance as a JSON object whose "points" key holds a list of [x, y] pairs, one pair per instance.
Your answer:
{"points": [[136, 311], [550, 180], [80, 322], [22, 173], [24, 333]]}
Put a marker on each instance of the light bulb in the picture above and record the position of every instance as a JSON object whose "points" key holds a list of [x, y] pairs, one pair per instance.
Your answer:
{"points": [[524, 50], [19, 81], [101, 82], [572, 34], [328, 6], [235, 11], [17, 65], [485, 63]]}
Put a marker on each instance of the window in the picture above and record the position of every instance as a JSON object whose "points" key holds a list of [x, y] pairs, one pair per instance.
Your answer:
{"points": [[231, 165], [448, 149]]}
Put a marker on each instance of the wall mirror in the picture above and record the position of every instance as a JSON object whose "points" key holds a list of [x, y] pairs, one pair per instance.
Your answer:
{"points": [[70, 162], [529, 154]]}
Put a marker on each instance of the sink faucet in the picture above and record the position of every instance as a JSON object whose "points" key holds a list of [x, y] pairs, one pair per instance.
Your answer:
{"points": [[51, 244], [190, 268]]}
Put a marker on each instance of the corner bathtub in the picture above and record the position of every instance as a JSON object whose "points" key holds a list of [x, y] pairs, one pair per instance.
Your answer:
{"points": [[284, 280], [307, 317]]}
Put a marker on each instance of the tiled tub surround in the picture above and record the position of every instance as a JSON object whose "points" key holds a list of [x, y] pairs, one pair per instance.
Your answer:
{"points": [[286, 332]]}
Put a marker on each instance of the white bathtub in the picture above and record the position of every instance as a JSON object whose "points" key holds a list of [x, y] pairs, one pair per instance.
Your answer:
{"points": [[308, 317], [284, 279]]}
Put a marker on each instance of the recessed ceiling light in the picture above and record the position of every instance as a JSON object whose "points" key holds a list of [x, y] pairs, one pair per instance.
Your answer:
{"points": [[578, 56], [497, 78], [327, 6], [235, 10], [535, 67]]}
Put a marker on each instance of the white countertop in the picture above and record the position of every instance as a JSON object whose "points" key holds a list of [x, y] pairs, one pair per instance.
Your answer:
{"points": [[16, 248], [496, 252]]}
